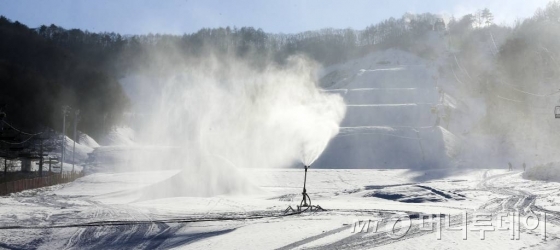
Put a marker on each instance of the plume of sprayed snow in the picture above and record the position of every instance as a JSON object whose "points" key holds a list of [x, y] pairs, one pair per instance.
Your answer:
{"points": [[221, 115]]}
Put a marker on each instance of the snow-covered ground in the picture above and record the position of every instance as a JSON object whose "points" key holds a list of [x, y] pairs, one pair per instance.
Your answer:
{"points": [[393, 102], [108, 211], [394, 125]]}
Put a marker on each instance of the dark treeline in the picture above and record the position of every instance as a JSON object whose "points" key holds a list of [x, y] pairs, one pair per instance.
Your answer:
{"points": [[38, 77], [44, 68], [116, 53]]}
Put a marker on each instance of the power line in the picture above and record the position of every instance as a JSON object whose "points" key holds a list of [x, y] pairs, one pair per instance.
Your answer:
{"points": [[528, 93], [19, 131], [507, 99], [17, 143]]}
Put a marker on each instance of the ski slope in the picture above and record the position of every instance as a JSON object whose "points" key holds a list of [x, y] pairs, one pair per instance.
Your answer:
{"points": [[391, 159], [393, 103], [107, 211]]}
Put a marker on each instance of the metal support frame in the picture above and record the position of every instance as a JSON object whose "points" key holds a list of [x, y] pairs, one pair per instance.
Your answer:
{"points": [[65, 112], [76, 117], [305, 204]]}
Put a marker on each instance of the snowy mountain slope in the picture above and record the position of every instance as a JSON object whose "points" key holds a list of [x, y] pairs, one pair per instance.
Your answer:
{"points": [[86, 140], [119, 136], [395, 114], [82, 151], [374, 95], [390, 147]]}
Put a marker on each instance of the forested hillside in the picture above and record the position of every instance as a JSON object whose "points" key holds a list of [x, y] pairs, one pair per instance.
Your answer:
{"points": [[38, 77], [44, 68]]}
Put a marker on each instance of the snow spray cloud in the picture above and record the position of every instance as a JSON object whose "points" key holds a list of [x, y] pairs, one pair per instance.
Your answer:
{"points": [[223, 114]]}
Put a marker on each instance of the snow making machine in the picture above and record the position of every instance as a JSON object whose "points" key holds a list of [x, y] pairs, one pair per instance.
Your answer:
{"points": [[305, 204]]}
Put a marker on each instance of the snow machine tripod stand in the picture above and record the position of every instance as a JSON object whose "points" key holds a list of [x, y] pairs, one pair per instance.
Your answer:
{"points": [[305, 203]]}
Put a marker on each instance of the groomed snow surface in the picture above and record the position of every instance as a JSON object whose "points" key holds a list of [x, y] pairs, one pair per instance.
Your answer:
{"points": [[393, 102], [120, 217]]}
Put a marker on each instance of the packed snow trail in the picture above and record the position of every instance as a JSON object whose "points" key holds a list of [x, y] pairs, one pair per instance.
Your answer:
{"points": [[518, 200], [396, 90], [103, 213]]}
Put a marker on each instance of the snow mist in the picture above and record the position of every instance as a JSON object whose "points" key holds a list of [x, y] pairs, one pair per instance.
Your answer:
{"points": [[220, 115]]}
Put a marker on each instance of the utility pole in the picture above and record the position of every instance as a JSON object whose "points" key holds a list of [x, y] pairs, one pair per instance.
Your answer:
{"points": [[65, 111], [76, 113], [41, 159], [2, 115]]}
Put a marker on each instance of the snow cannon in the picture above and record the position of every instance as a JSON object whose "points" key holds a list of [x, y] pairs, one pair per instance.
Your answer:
{"points": [[305, 204]]}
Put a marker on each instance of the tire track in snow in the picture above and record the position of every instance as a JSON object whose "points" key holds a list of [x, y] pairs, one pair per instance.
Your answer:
{"points": [[314, 238], [143, 236], [517, 200]]}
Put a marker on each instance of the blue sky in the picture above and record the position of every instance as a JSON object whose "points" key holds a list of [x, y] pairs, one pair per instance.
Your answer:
{"points": [[277, 16]]}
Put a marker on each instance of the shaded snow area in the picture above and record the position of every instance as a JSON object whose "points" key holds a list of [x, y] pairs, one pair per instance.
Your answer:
{"points": [[545, 172], [108, 211], [395, 114], [87, 141], [119, 136], [81, 153]]}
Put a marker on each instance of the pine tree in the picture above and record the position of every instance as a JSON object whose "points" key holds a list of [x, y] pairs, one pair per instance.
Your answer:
{"points": [[487, 16]]}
